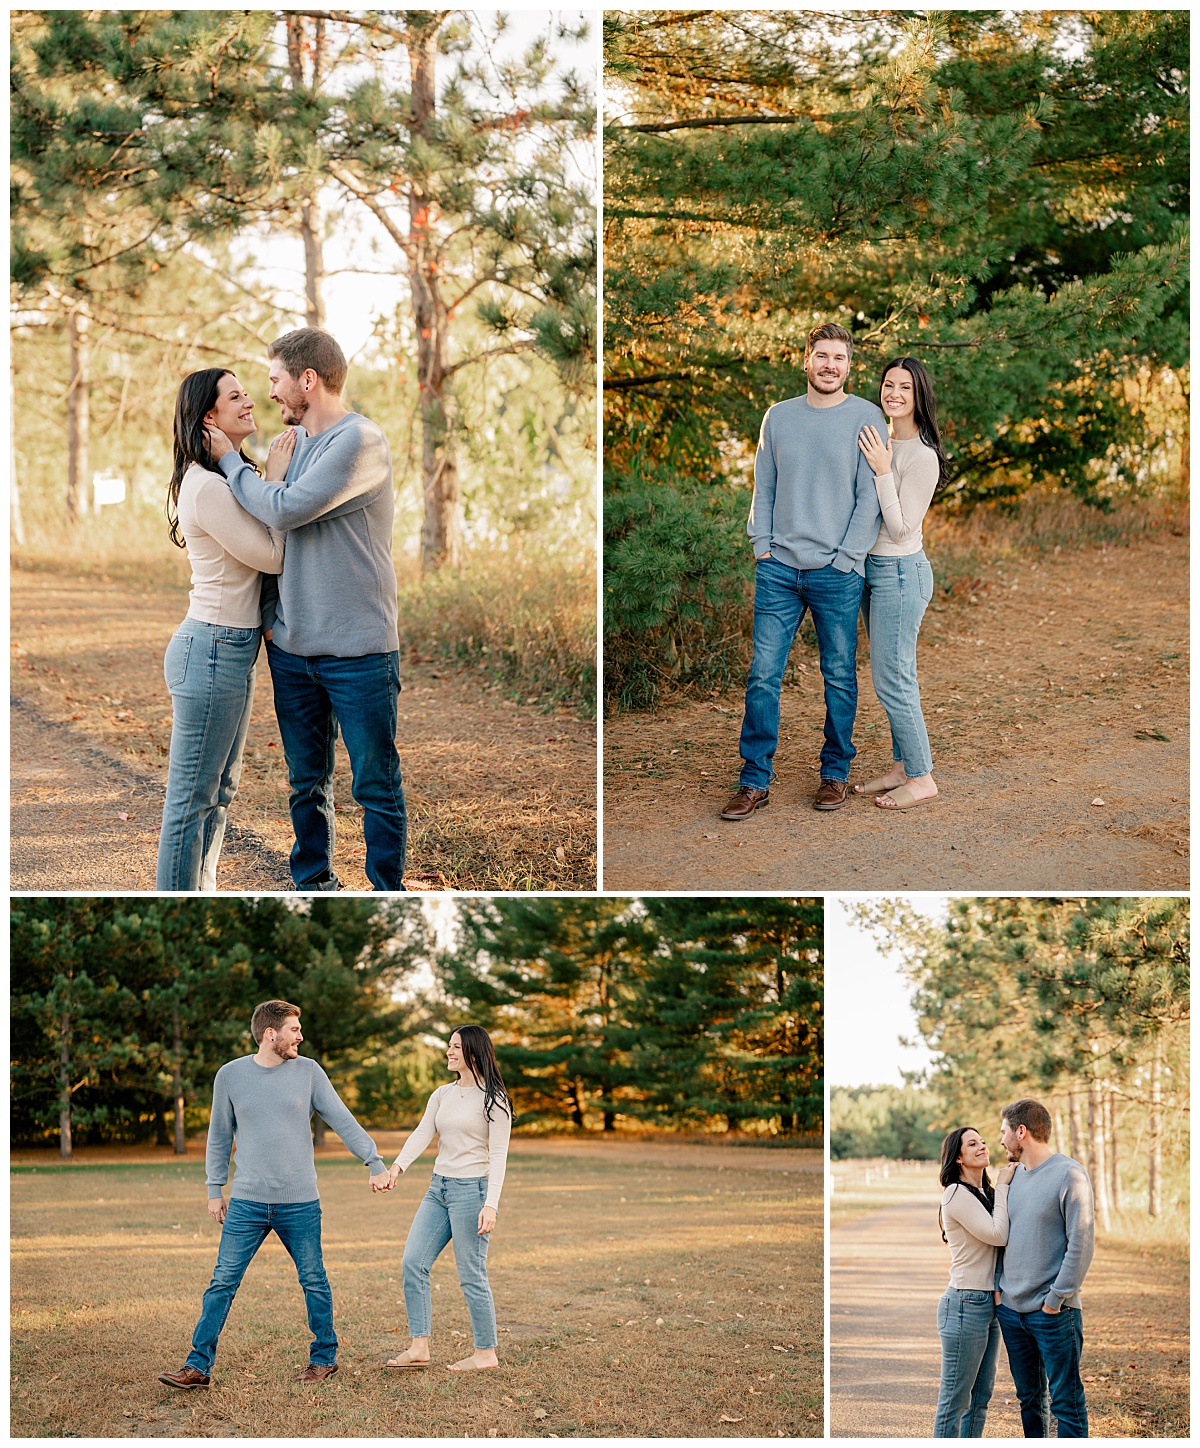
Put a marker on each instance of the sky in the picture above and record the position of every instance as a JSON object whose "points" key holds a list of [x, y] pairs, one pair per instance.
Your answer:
{"points": [[867, 1007]]}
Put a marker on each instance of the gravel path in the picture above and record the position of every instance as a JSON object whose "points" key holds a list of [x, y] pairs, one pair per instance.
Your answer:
{"points": [[886, 1272]]}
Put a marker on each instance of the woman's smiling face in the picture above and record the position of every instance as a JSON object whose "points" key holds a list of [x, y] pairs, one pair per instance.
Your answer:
{"points": [[973, 1152], [233, 411], [897, 393]]}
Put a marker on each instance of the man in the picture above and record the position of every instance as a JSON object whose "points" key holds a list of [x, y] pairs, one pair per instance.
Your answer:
{"points": [[1051, 1238], [814, 517], [267, 1100], [332, 642]]}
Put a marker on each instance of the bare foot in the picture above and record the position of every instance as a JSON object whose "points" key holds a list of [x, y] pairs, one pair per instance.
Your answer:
{"points": [[409, 1359], [479, 1361], [922, 787]]}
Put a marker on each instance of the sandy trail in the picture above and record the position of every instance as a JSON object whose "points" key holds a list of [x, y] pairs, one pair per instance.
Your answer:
{"points": [[500, 795], [1065, 685]]}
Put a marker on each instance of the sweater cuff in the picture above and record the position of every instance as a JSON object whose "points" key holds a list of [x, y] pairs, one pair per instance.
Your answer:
{"points": [[233, 459], [215, 1189], [760, 546], [844, 563], [1054, 1299], [375, 1163]]}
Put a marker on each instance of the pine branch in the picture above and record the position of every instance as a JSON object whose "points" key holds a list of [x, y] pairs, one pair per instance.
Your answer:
{"points": [[525, 345], [653, 127]]}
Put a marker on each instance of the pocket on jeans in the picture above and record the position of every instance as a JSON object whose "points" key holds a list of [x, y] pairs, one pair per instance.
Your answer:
{"points": [[925, 580], [175, 660]]}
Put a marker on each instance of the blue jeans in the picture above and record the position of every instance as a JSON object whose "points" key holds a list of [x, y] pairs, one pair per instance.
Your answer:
{"points": [[1044, 1349], [449, 1211], [312, 698], [966, 1319], [245, 1229], [781, 596], [897, 593], [209, 671]]}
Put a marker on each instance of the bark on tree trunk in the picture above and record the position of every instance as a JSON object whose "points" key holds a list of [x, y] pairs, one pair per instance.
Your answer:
{"points": [[64, 1086], [441, 532], [576, 1105], [1114, 1169], [1078, 1148], [177, 1081], [310, 207], [78, 474], [610, 1121], [1099, 1172], [1156, 1133]]}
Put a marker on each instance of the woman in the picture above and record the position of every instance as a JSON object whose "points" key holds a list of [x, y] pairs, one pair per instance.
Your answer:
{"points": [[472, 1118], [909, 467], [209, 664], [974, 1221]]}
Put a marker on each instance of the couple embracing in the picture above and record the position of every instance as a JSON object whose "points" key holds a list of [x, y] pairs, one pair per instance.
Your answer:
{"points": [[301, 558], [266, 1102], [1019, 1251], [836, 527]]}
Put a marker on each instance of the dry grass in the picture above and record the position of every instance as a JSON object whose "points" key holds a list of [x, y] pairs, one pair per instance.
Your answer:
{"points": [[639, 1293], [500, 795]]}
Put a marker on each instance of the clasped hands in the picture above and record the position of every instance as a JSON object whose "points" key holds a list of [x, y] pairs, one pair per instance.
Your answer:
{"points": [[278, 458], [384, 1181]]}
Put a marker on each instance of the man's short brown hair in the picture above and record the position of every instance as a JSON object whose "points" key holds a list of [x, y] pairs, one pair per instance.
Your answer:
{"points": [[1030, 1114], [310, 347], [829, 332], [270, 1016]]}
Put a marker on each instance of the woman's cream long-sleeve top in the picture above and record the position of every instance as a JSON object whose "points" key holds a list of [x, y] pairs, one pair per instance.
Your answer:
{"points": [[974, 1235], [228, 549], [469, 1145], [904, 497]]}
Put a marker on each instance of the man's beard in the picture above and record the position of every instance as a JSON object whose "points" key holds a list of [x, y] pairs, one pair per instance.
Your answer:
{"points": [[283, 1052], [823, 384], [292, 410]]}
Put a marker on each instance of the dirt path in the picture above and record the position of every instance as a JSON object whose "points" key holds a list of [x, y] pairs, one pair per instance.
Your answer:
{"points": [[887, 1271], [1035, 699], [500, 796]]}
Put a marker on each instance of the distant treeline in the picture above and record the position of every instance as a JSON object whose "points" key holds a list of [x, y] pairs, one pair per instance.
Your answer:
{"points": [[701, 1013]]}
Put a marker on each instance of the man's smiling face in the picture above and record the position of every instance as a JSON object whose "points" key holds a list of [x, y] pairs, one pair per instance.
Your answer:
{"points": [[828, 365]]}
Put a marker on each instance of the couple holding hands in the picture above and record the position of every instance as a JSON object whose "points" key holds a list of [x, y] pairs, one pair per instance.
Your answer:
{"points": [[267, 1101]]}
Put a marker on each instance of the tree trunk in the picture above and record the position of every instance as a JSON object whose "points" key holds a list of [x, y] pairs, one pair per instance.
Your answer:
{"points": [[1078, 1147], [1056, 1117], [78, 474], [1114, 1169], [1099, 1173], [1156, 1132], [310, 207], [14, 492], [441, 531], [576, 1105], [64, 1088], [177, 1081], [610, 1121], [162, 1134]]}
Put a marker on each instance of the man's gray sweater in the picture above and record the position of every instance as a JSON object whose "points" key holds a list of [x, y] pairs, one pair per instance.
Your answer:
{"points": [[1051, 1236], [337, 592], [815, 502], [268, 1109]]}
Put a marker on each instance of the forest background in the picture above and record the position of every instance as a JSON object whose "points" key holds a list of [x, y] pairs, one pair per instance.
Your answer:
{"points": [[608, 1014], [168, 169], [1003, 195], [1084, 1004]]}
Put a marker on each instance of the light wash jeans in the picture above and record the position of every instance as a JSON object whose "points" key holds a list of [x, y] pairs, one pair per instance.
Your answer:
{"points": [[782, 595], [246, 1227], [209, 671], [449, 1210], [897, 593], [970, 1335]]}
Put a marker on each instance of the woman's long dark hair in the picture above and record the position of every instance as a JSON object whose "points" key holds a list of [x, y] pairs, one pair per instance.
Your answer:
{"points": [[197, 396], [480, 1056], [950, 1172], [924, 411]]}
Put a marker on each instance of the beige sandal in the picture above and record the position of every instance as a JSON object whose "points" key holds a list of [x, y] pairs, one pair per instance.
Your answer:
{"points": [[903, 798], [397, 1366], [874, 786]]}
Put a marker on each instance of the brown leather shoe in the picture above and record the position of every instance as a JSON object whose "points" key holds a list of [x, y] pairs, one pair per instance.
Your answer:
{"points": [[317, 1372], [184, 1378], [745, 802], [832, 794]]}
